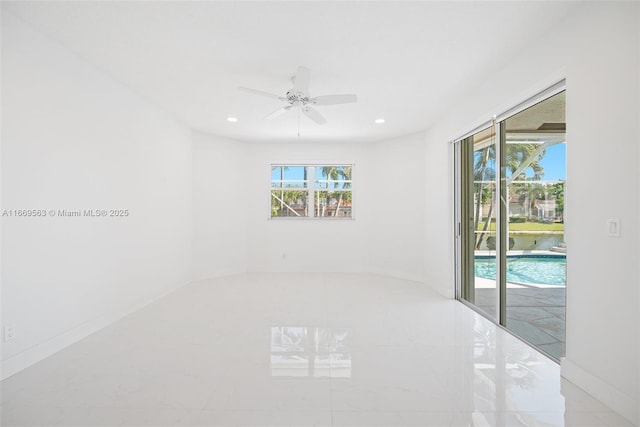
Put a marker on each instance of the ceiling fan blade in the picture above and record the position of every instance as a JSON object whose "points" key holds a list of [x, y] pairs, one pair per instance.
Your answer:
{"points": [[262, 93], [333, 99], [301, 81], [278, 112], [314, 115]]}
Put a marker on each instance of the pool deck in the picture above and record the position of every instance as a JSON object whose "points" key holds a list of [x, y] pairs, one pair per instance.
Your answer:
{"points": [[537, 315], [534, 313]]}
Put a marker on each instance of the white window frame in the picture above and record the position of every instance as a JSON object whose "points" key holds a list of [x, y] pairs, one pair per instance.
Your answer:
{"points": [[311, 190]]}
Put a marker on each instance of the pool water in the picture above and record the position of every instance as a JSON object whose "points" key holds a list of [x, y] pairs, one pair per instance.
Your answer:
{"points": [[526, 269]]}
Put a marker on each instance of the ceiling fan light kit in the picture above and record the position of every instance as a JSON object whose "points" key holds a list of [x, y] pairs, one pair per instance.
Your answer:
{"points": [[298, 98]]}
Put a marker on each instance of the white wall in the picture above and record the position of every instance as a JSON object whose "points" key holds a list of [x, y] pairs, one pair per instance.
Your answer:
{"points": [[397, 208], [596, 49], [439, 250], [386, 234], [283, 245], [73, 138], [220, 206]]}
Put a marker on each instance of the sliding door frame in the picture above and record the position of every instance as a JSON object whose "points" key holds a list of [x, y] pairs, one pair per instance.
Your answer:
{"points": [[463, 225]]}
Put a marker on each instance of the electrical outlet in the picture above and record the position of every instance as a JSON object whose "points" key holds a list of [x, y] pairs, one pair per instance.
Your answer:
{"points": [[9, 333]]}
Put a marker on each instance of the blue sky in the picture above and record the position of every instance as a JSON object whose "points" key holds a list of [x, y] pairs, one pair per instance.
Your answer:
{"points": [[554, 162]]}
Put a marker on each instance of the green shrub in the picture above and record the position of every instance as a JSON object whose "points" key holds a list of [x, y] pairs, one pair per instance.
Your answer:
{"points": [[518, 219]]}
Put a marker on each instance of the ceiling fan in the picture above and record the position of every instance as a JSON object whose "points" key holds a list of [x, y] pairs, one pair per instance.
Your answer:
{"points": [[298, 98]]}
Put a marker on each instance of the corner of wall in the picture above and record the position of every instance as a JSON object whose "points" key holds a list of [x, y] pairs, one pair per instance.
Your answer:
{"points": [[219, 243]]}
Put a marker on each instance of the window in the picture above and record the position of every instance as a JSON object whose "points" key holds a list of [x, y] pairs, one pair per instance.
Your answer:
{"points": [[311, 191]]}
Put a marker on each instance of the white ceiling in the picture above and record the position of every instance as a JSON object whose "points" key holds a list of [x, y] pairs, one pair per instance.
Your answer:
{"points": [[407, 61]]}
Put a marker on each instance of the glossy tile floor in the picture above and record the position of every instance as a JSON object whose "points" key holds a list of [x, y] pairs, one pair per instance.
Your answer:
{"points": [[300, 349]]}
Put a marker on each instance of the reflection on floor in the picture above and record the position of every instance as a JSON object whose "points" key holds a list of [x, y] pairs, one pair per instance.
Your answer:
{"points": [[310, 352], [237, 351], [535, 314]]}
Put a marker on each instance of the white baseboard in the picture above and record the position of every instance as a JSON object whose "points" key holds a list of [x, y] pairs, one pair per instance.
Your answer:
{"points": [[447, 291], [622, 404], [23, 360], [397, 275]]}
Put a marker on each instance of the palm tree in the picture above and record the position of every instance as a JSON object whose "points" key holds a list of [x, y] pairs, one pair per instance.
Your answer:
{"points": [[483, 171], [304, 198], [557, 191], [518, 159], [336, 174], [332, 174], [521, 158], [345, 173], [282, 169]]}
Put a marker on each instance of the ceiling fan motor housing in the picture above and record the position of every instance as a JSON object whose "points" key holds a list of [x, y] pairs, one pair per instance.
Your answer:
{"points": [[292, 98]]}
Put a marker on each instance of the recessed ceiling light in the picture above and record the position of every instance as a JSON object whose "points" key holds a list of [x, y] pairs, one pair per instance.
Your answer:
{"points": [[232, 119], [379, 121]]}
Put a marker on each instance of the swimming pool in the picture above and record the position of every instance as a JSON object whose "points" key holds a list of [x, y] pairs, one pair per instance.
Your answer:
{"points": [[526, 269]]}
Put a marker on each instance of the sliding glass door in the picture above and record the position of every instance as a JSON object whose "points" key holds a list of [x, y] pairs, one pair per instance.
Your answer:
{"points": [[511, 256], [478, 187]]}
